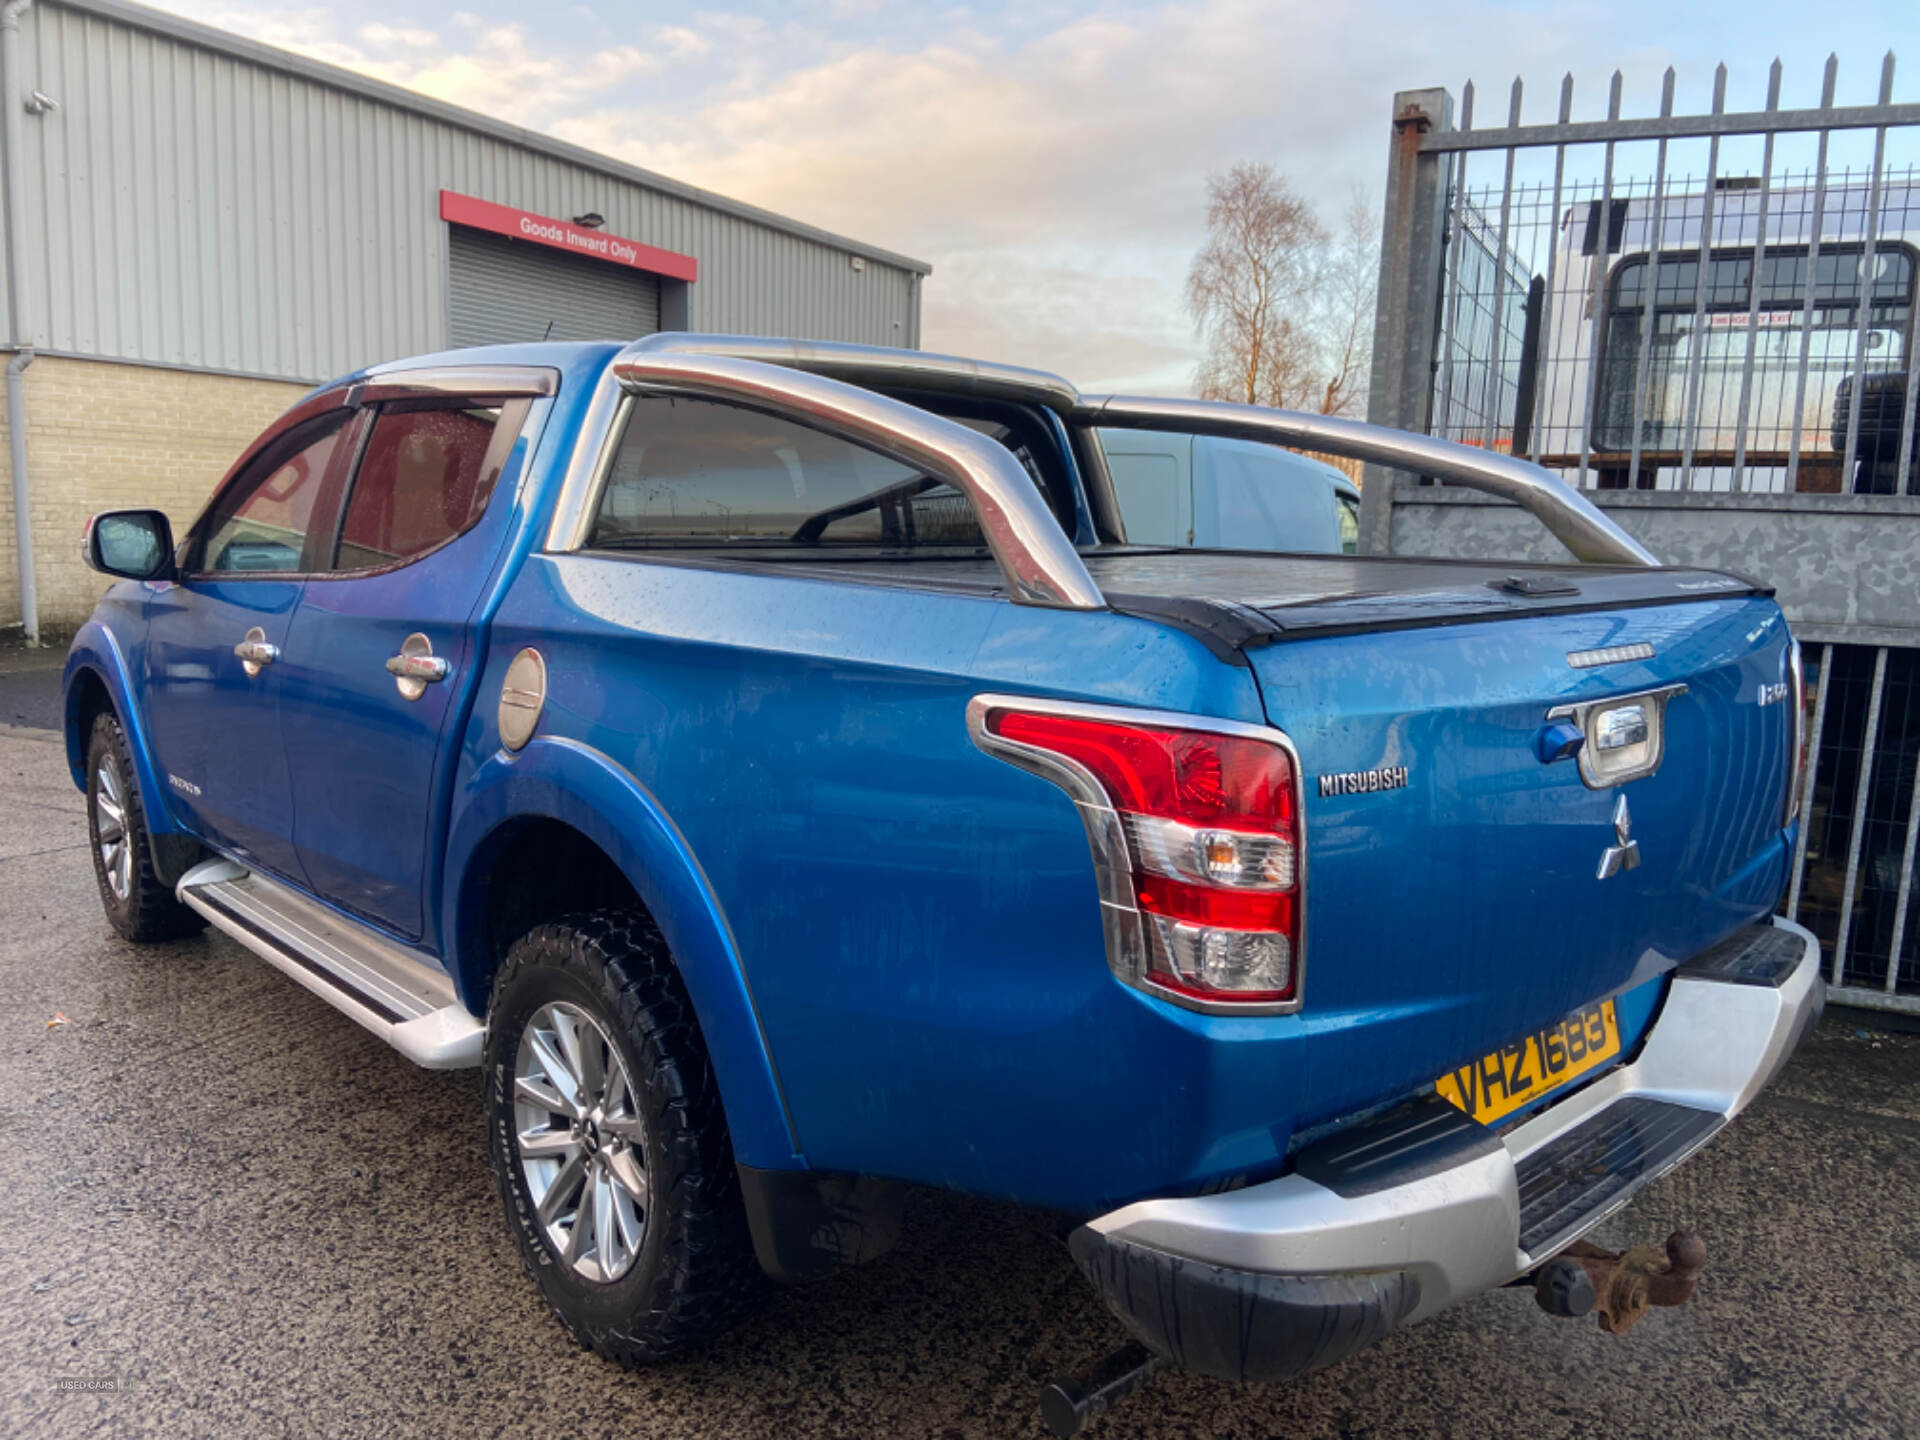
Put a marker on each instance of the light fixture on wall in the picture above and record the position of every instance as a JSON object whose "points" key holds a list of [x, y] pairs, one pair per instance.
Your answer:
{"points": [[856, 262], [592, 220]]}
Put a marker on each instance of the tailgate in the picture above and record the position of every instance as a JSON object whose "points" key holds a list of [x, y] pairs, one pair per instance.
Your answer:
{"points": [[1455, 901]]}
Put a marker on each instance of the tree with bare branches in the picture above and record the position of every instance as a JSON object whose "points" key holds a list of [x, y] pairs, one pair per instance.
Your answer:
{"points": [[1350, 279], [1285, 307], [1249, 286]]}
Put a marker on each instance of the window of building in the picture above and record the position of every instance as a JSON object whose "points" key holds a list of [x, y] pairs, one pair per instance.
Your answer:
{"points": [[705, 474], [260, 525], [423, 480]]}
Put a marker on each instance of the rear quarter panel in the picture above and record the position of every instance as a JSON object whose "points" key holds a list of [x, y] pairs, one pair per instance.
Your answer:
{"points": [[917, 922]]}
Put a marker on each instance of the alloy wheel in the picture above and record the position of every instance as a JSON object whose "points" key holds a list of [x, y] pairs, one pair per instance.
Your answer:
{"points": [[110, 829], [581, 1142]]}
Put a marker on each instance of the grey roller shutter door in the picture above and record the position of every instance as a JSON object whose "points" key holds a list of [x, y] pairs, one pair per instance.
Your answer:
{"points": [[501, 290]]}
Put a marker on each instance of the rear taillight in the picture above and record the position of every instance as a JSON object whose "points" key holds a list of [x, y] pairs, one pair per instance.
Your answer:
{"points": [[1195, 830]]}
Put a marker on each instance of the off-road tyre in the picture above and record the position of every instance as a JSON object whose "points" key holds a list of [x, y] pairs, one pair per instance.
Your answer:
{"points": [[694, 1275], [147, 911]]}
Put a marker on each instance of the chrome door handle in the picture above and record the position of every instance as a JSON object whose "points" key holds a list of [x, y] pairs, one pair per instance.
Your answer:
{"points": [[429, 668], [255, 652], [416, 666]]}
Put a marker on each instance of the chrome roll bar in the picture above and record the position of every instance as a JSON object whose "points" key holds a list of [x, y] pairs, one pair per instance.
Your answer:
{"points": [[877, 365], [820, 382], [1574, 520], [1036, 557]]}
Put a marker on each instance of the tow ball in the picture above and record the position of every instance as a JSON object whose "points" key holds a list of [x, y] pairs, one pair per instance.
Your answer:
{"points": [[1584, 1279]]}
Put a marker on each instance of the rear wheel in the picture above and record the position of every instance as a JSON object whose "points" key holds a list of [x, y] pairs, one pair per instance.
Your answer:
{"points": [[138, 902], [609, 1144]]}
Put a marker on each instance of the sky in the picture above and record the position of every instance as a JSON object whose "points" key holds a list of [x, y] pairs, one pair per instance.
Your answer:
{"points": [[1050, 158]]}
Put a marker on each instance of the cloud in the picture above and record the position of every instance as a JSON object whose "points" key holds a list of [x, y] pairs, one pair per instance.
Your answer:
{"points": [[1048, 157], [499, 70], [1056, 182]]}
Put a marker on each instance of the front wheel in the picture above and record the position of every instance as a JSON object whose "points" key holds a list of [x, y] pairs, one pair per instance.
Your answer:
{"points": [[609, 1144], [139, 904]]}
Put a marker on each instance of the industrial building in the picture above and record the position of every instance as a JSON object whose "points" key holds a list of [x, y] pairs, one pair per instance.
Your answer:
{"points": [[198, 228]]}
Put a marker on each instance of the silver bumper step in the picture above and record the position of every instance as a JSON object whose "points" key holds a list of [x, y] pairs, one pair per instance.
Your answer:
{"points": [[405, 1001], [1457, 1218], [1573, 1181]]}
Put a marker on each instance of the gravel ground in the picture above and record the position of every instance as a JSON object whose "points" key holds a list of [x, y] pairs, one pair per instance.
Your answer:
{"points": [[265, 1223]]}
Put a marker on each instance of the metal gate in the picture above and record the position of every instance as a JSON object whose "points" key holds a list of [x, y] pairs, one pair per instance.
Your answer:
{"points": [[1707, 321], [501, 290]]}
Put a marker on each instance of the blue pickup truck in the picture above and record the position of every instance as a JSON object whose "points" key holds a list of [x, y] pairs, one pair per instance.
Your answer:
{"points": [[772, 766]]}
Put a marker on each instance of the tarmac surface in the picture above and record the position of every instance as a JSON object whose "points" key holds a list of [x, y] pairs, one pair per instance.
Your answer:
{"points": [[259, 1221], [30, 684]]}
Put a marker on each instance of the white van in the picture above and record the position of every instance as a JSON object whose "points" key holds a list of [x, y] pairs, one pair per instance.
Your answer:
{"points": [[1202, 492]]}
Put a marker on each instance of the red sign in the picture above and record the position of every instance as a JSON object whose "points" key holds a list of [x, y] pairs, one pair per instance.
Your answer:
{"points": [[544, 230]]}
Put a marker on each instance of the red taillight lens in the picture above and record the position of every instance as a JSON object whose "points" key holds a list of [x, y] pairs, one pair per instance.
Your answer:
{"points": [[1175, 774], [1209, 825]]}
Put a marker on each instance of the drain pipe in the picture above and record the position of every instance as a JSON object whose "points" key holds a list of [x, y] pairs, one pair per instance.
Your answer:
{"points": [[11, 110], [22, 510]]}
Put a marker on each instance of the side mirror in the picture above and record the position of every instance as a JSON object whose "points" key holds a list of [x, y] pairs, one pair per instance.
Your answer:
{"points": [[130, 544]]}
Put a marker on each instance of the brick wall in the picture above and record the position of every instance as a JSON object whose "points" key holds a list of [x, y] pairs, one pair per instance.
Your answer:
{"points": [[104, 436]]}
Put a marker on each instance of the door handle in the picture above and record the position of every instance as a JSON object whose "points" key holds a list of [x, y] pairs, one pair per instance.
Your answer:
{"points": [[255, 652], [416, 666], [429, 668]]}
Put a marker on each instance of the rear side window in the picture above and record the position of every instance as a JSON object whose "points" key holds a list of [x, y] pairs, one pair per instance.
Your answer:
{"points": [[700, 473], [1155, 502], [261, 523], [1207, 492], [424, 478]]}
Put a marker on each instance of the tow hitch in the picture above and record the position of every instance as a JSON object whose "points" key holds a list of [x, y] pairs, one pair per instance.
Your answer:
{"points": [[1584, 1278]]}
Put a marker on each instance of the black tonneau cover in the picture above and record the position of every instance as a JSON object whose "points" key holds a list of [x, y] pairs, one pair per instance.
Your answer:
{"points": [[1282, 596], [1232, 599]]}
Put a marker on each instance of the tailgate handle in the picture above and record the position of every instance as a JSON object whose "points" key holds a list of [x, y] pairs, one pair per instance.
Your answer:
{"points": [[1558, 740]]}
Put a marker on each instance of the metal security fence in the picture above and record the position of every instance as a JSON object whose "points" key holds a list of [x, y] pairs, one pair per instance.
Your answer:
{"points": [[1717, 302], [1708, 321], [1854, 867]]}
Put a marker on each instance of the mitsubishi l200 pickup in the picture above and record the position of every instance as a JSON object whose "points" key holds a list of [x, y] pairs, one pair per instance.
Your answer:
{"points": [[774, 767]]}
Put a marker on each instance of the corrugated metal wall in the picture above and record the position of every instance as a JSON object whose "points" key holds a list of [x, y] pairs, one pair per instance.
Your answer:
{"points": [[190, 207]]}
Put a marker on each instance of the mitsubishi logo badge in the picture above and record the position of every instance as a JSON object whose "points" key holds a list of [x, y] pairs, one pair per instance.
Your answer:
{"points": [[1624, 853]]}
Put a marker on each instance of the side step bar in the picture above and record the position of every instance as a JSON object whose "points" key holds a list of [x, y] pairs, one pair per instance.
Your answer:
{"points": [[406, 1002]]}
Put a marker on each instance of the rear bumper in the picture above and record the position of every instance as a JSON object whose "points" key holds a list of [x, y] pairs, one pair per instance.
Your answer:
{"points": [[1394, 1220]]}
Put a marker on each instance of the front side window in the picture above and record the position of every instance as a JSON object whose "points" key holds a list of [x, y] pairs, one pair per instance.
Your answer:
{"points": [[260, 525], [703, 474], [1349, 517], [424, 478]]}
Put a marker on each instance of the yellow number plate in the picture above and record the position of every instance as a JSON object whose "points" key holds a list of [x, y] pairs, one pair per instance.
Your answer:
{"points": [[1521, 1073]]}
